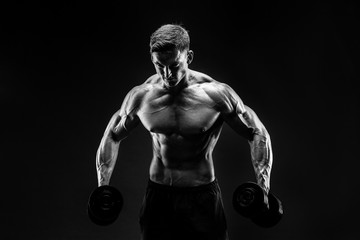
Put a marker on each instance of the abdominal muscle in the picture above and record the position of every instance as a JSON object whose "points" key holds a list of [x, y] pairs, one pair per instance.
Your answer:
{"points": [[182, 161]]}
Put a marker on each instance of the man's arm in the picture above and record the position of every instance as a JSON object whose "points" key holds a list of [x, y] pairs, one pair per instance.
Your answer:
{"points": [[260, 146], [245, 122], [119, 127]]}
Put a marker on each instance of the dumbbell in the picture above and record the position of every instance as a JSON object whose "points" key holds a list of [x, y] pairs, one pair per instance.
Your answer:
{"points": [[249, 200], [104, 205]]}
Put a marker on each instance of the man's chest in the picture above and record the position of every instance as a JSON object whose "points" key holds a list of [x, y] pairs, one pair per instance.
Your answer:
{"points": [[188, 113]]}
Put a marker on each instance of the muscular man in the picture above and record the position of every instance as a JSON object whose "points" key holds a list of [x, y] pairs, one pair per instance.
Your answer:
{"points": [[184, 111]]}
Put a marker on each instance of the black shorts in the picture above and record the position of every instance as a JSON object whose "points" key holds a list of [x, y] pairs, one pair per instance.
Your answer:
{"points": [[173, 213]]}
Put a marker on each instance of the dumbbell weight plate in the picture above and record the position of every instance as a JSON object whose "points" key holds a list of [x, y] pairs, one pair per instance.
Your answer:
{"points": [[248, 199], [272, 216], [104, 205]]}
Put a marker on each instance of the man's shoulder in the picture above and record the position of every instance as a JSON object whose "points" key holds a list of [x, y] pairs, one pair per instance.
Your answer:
{"points": [[145, 87], [211, 86], [151, 81], [221, 93], [136, 95]]}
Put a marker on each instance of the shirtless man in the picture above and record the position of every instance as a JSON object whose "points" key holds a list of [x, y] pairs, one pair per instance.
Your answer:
{"points": [[184, 111]]}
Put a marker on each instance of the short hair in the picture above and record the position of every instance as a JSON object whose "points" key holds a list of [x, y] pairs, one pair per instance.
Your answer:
{"points": [[168, 37]]}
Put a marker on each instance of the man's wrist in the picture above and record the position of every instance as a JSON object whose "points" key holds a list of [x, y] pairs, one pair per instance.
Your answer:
{"points": [[103, 182]]}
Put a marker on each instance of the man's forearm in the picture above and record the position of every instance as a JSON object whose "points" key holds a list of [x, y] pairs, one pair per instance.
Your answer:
{"points": [[261, 154], [105, 160]]}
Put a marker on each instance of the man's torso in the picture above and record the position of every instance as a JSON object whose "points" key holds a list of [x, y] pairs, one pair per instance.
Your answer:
{"points": [[184, 127]]}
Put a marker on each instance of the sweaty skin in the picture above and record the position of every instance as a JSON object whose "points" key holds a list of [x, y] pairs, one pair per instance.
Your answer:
{"points": [[184, 111]]}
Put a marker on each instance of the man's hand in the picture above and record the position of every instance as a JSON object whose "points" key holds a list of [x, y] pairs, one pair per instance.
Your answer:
{"points": [[251, 201]]}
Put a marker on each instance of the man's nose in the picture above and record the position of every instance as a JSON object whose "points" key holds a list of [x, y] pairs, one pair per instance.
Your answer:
{"points": [[167, 72]]}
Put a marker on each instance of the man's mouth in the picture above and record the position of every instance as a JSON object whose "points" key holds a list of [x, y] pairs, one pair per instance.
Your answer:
{"points": [[170, 79]]}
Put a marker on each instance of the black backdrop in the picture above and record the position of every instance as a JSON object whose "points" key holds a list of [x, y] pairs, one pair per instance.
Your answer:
{"points": [[65, 67]]}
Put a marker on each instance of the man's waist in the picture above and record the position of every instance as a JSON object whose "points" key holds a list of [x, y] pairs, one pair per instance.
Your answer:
{"points": [[183, 187], [182, 176]]}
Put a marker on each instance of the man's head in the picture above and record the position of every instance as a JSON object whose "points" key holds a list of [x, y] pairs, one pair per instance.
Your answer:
{"points": [[168, 37], [170, 53]]}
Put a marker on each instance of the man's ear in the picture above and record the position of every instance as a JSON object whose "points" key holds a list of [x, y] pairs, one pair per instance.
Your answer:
{"points": [[190, 56]]}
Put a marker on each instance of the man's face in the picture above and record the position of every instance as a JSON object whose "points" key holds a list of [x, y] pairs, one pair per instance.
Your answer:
{"points": [[171, 66]]}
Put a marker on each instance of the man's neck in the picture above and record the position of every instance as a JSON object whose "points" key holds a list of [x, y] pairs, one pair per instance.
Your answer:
{"points": [[184, 83]]}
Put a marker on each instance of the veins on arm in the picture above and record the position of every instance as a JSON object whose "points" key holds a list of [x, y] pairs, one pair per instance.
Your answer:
{"points": [[119, 127], [246, 123]]}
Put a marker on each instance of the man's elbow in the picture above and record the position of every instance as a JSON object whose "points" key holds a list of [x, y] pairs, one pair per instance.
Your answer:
{"points": [[260, 136]]}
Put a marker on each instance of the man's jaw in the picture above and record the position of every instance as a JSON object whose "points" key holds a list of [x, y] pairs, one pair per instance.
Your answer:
{"points": [[171, 82]]}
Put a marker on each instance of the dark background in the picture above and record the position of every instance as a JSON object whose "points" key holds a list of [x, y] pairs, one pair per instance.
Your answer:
{"points": [[66, 66]]}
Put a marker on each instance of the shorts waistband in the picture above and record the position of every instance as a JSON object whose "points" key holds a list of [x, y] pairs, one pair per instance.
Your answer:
{"points": [[203, 187]]}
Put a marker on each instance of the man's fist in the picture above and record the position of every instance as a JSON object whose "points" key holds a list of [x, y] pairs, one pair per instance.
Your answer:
{"points": [[251, 201]]}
